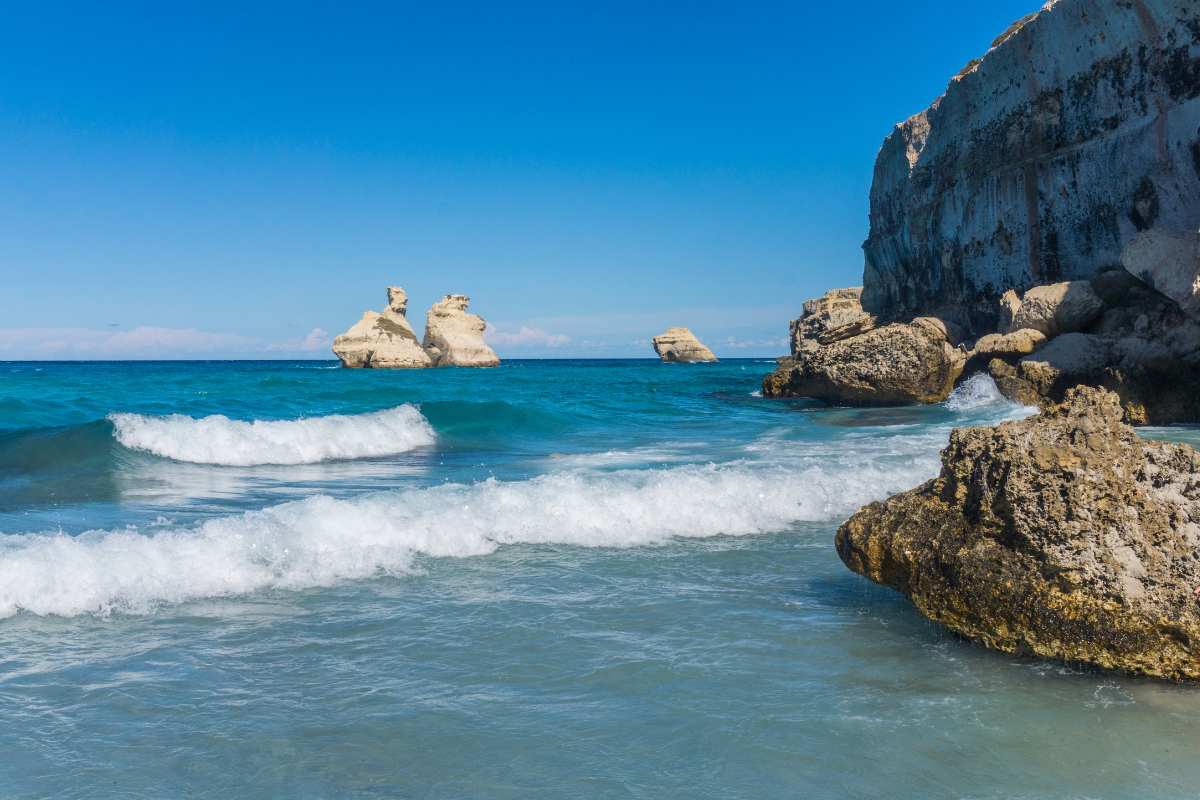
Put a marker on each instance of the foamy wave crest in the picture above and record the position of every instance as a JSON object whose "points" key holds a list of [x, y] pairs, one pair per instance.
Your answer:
{"points": [[220, 440], [977, 391], [320, 541]]}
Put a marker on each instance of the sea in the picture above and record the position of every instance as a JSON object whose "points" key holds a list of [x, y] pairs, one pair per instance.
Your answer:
{"points": [[551, 579]]}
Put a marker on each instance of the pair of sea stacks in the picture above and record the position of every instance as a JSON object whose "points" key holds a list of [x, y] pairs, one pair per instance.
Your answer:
{"points": [[453, 338]]}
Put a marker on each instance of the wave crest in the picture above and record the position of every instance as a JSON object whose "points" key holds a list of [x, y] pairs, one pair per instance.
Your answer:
{"points": [[321, 540], [220, 440]]}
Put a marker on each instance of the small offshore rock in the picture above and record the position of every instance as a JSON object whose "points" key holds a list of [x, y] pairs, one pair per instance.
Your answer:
{"points": [[681, 345]]}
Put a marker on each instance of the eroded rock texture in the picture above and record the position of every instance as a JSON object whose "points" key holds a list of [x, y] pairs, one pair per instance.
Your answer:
{"points": [[892, 365], [681, 345], [454, 336], [383, 340], [1063, 535], [1073, 145]]}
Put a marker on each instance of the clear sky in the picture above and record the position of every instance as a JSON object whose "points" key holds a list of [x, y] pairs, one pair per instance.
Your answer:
{"points": [[244, 179]]}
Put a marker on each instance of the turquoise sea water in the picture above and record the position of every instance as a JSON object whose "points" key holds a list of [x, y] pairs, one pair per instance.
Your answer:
{"points": [[548, 580]]}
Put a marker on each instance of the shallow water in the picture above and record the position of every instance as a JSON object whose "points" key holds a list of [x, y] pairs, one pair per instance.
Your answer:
{"points": [[552, 579]]}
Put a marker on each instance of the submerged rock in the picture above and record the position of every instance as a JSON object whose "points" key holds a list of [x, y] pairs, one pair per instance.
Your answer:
{"points": [[454, 338], [1063, 536], [893, 365], [383, 340], [681, 345]]}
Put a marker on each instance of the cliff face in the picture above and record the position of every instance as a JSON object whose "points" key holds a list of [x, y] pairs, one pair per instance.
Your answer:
{"points": [[1068, 147]]}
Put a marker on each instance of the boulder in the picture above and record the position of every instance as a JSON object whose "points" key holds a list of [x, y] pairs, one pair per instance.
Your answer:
{"points": [[836, 316], [383, 340], [454, 338], [1043, 161], [892, 365], [1006, 346], [1066, 307], [681, 345], [1168, 262], [1142, 346], [1063, 536]]}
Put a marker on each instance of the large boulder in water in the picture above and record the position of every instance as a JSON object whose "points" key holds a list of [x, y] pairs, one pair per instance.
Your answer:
{"points": [[1064, 536], [454, 337], [893, 365], [383, 340], [681, 345]]}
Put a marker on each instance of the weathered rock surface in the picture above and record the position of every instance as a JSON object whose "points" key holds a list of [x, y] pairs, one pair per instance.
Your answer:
{"points": [[383, 340], [1169, 262], [893, 365], [1063, 536], [1066, 307], [1073, 145], [836, 316], [1141, 346], [1005, 346], [454, 338], [681, 345]]}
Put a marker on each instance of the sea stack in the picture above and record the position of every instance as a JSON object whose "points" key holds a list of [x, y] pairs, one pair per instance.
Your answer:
{"points": [[454, 338], [681, 345], [383, 340]]}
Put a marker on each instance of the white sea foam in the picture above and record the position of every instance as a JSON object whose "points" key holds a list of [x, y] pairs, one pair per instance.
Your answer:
{"points": [[220, 440], [321, 540], [976, 392]]}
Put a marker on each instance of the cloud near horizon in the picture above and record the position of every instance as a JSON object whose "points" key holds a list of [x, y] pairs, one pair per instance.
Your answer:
{"points": [[143, 342], [525, 336]]}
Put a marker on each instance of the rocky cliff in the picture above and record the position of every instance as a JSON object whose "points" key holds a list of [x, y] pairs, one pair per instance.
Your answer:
{"points": [[1072, 145]]}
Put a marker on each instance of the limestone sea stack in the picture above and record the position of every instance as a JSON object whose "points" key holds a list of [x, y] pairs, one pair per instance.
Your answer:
{"points": [[383, 340], [1070, 147], [1064, 536], [681, 345], [454, 338]]}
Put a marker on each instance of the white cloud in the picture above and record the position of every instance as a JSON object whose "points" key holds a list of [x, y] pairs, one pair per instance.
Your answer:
{"points": [[525, 336], [144, 341], [317, 339], [747, 344]]}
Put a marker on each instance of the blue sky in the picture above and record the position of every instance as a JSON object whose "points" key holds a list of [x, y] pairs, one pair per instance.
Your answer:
{"points": [[243, 180]]}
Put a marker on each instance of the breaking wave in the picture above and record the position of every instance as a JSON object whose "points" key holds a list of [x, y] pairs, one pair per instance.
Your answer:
{"points": [[977, 392], [220, 440], [322, 540]]}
